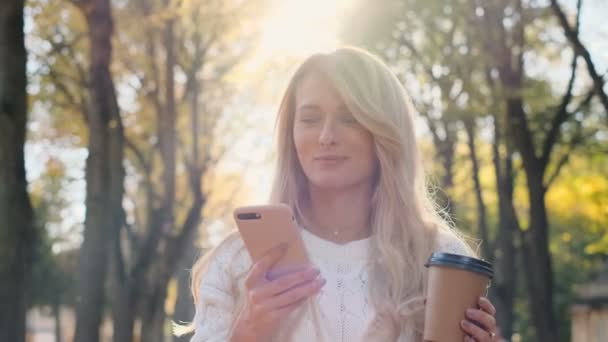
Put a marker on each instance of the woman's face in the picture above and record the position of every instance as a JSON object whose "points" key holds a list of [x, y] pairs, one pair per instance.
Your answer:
{"points": [[334, 150]]}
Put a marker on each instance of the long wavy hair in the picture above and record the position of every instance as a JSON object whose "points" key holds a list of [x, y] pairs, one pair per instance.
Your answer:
{"points": [[404, 218]]}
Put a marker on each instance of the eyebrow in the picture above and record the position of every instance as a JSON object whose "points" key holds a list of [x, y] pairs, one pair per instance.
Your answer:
{"points": [[317, 107], [308, 106]]}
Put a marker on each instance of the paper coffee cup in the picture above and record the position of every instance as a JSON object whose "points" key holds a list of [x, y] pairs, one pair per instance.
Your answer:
{"points": [[455, 283]]}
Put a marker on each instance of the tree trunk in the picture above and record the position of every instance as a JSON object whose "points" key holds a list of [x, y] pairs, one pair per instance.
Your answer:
{"points": [[57, 318], [184, 305], [446, 148], [153, 313], [144, 285], [166, 136], [506, 52], [535, 244], [539, 275], [505, 280], [482, 224], [153, 304], [123, 312], [18, 235], [104, 174]]}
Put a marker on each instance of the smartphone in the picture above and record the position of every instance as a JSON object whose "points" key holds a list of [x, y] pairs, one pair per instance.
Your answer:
{"points": [[264, 227]]}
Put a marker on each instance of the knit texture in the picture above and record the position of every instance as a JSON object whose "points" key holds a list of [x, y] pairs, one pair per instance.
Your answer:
{"points": [[344, 306]]}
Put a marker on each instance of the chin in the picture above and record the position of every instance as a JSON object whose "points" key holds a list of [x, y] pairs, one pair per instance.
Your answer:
{"points": [[334, 183]]}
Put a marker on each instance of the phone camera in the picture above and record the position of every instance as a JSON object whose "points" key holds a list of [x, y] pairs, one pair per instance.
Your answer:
{"points": [[249, 216]]}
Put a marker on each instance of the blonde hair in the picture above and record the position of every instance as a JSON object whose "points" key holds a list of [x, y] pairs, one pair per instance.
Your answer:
{"points": [[404, 218]]}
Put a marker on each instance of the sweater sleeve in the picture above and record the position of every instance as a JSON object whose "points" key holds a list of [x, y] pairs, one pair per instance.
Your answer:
{"points": [[215, 310]]}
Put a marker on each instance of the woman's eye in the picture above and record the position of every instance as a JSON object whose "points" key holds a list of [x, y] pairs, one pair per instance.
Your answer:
{"points": [[348, 118], [309, 119]]}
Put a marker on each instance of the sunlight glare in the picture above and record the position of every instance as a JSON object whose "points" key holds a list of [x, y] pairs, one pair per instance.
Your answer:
{"points": [[297, 28]]}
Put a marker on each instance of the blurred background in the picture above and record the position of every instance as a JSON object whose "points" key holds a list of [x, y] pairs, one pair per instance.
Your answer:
{"points": [[130, 129]]}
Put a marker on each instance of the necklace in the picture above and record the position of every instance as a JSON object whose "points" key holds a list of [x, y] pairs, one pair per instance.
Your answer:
{"points": [[334, 231]]}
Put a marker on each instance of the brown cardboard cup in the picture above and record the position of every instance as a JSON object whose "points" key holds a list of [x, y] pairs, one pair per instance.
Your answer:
{"points": [[455, 283]]}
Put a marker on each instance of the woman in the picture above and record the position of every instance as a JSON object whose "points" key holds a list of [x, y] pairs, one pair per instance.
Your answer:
{"points": [[349, 166]]}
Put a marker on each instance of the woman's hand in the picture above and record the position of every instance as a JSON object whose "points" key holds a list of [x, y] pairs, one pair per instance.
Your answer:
{"points": [[269, 301], [480, 324]]}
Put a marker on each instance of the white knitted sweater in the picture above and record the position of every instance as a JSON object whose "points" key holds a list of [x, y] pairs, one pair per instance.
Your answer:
{"points": [[345, 309]]}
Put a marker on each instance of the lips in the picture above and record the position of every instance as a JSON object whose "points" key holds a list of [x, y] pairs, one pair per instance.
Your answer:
{"points": [[330, 158], [329, 161]]}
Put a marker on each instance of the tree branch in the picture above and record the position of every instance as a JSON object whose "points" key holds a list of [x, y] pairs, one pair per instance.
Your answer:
{"points": [[562, 161], [120, 261], [403, 41], [193, 217], [146, 255], [131, 234], [574, 142], [572, 35], [129, 144], [577, 23], [71, 102], [198, 61], [560, 117], [82, 71]]}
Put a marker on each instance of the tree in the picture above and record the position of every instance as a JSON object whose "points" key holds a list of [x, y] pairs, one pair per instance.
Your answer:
{"points": [[572, 33], [478, 47], [506, 47], [56, 271], [430, 45], [18, 235], [104, 172], [505, 251], [181, 58]]}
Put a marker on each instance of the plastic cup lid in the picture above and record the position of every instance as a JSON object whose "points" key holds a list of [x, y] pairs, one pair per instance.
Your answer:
{"points": [[461, 261]]}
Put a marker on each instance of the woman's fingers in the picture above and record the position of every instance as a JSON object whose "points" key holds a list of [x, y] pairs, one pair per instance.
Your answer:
{"points": [[284, 283], [296, 294], [473, 331], [486, 306], [273, 300], [262, 266], [279, 314], [481, 323], [269, 301], [486, 320]]}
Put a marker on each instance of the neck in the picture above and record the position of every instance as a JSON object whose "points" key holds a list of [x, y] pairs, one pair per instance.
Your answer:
{"points": [[339, 215]]}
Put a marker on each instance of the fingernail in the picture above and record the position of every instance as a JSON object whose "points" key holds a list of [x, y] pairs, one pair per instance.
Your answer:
{"points": [[470, 312], [465, 323]]}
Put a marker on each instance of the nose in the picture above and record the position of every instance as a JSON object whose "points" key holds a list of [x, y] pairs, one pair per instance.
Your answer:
{"points": [[327, 137]]}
